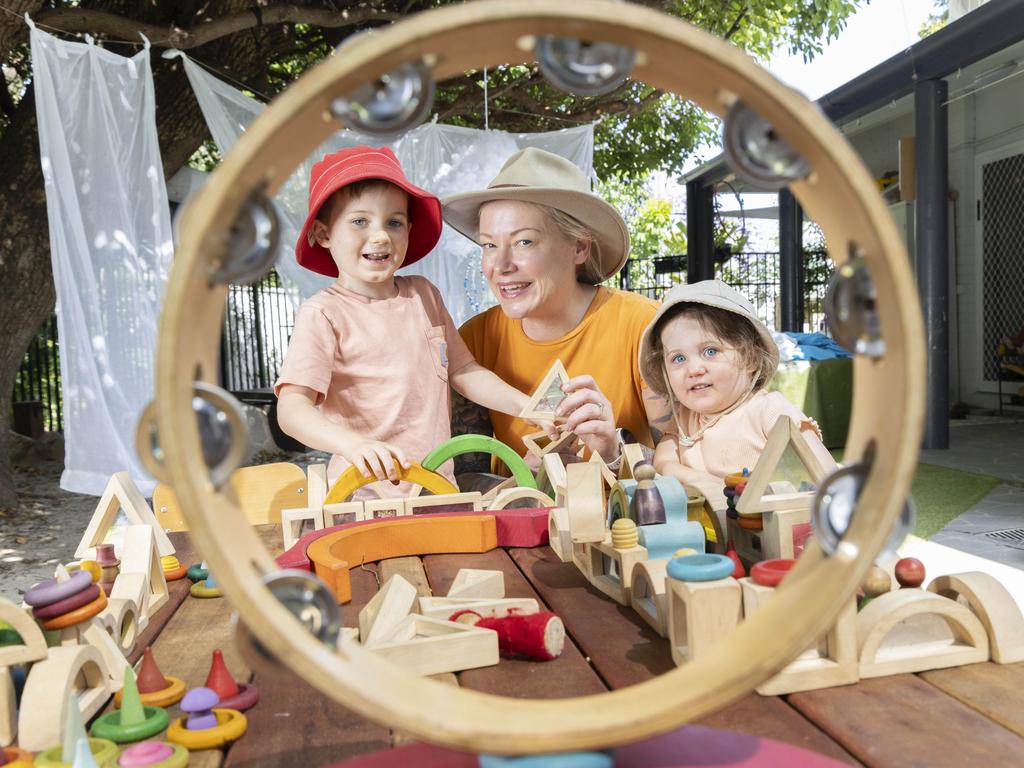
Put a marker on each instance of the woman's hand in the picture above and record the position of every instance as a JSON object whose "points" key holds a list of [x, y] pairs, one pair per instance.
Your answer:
{"points": [[372, 457], [588, 413]]}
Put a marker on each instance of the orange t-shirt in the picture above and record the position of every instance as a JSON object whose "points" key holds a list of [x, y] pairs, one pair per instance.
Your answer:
{"points": [[604, 345]]}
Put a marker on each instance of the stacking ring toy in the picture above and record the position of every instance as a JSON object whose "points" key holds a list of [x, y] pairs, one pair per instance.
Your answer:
{"points": [[230, 726], [152, 754], [700, 567], [753, 523], [197, 572], [91, 567], [78, 615], [462, 444], [170, 695], [103, 750], [351, 480], [873, 299], [51, 590], [109, 726], [68, 604], [768, 573], [17, 758], [201, 590]]}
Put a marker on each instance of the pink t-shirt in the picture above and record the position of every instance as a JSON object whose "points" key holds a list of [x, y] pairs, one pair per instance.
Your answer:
{"points": [[737, 439], [379, 366]]}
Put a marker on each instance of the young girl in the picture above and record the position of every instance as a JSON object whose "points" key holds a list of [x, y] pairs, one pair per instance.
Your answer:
{"points": [[371, 357], [711, 357]]}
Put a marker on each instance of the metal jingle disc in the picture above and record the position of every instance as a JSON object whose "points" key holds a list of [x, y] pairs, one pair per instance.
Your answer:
{"points": [[391, 106], [252, 243], [757, 153], [585, 69]]}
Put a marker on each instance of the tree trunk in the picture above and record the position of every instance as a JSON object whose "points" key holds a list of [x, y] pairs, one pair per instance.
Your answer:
{"points": [[26, 275]]}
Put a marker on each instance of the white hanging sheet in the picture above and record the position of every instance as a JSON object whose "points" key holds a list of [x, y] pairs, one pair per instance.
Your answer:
{"points": [[442, 159], [110, 242]]}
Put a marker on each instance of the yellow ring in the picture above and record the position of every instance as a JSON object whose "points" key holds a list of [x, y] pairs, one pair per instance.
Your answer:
{"points": [[172, 694], [231, 724]]}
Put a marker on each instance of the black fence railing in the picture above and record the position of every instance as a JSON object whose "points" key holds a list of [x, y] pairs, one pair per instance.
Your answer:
{"points": [[259, 319]]}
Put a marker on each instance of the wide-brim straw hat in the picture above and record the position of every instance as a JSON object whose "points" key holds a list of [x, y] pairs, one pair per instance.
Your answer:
{"points": [[711, 293], [537, 176]]}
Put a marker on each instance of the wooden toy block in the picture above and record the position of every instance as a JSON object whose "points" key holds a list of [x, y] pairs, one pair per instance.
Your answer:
{"points": [[610, 480], [351, 480], [8, 708], [777, 535], [75, 672], [647, 593], [435, 646], [611, 569], [316, 486], [558, 533], [489, 497], [585, 502], [995, 608], [380, 617], [444, 607], [345, 512], [632, 453], [754, 499], [376, 509], [261, 491], [700, 615], [539, 444], [141, 557], [446, 502], [121, 620], [910, 630], [34, 642], [827, 663], [348, 635], [95, 634], [472, 582], [292, 523], [121, 493], [512, 495], [547, 396], [333, 554], [132, 588], [747, 543], [551, 478], [581, 558]]}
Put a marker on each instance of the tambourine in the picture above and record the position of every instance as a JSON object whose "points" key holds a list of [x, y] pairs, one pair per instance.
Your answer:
{"points": [[772, 135]]}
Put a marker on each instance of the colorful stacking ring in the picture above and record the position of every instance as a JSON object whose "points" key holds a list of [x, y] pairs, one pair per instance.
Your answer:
{"points": [[68, 604], [91, 567], [152, 754], [78, 615], [729, 492], [17, 758], [750, 523], [768, 573], [103, 750], [178, 573], [246, 698], [109, 726], [51, 590], [732, 514], [197, 572], [705, 567], [170, 695], [230, 726], [735, 479], [199, 589]]}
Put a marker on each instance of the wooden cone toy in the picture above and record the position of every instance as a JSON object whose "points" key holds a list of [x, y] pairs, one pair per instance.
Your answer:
{"points": [[233, 695], [738, 572], [83, 755], [150, 679], [155, 689]]}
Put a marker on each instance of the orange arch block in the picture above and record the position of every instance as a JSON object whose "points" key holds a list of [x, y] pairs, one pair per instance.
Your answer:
{"points": [[334, 554]]}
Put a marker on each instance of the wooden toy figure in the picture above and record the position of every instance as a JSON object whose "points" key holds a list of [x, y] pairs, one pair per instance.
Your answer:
{"points": [[648, 508], [110, 564]]}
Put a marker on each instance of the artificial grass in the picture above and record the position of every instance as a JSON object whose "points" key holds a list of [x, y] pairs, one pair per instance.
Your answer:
{"points": [[942, 494]]}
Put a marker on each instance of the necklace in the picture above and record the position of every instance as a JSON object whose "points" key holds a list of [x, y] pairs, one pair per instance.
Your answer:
{"points": [[689, 440]]}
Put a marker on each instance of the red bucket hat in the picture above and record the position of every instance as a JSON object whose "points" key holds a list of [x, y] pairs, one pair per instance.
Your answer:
{"points": [[339, 169]]}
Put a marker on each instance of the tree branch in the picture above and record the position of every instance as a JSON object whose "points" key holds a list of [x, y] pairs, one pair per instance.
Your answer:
{"points": [[74, 20]]}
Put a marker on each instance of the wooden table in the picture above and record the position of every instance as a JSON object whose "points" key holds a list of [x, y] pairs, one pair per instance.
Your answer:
{"points": [[971, 715]]}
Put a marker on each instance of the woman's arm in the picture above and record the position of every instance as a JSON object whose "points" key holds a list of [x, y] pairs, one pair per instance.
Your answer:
{"points": [[299, 417]]}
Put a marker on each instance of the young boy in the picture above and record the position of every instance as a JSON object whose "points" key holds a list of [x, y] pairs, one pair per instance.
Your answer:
{"points": [[370, 360]]}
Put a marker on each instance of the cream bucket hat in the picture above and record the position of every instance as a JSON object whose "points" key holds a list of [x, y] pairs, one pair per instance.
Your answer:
{"points": [[537, 176], [712, 293]]}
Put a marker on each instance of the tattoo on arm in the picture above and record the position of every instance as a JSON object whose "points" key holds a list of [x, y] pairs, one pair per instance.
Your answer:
{"points": [[468, 418]]}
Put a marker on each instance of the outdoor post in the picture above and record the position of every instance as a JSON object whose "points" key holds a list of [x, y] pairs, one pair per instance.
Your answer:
{"points": [[700, 240], [791, 263], [931, 232]]}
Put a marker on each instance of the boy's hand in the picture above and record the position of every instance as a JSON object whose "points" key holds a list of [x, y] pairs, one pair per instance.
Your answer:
{"points": [[376, 459]]}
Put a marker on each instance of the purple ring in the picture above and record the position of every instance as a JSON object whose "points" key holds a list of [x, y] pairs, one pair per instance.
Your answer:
{"points": [[246, 698], [51, 590], [68, 604]]}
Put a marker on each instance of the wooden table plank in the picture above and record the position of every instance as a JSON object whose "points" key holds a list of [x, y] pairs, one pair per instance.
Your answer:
{"points": [[625, 650], [409, 568], [994, 690], [904, 721], [177, 592], [568, 675]]}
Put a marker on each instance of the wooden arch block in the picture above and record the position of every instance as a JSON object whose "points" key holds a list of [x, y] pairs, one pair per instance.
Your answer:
{"points": [[647, 593], [994, 607], [611, 569], [915, 647], [8, 708], [510, 495], [34, 648]]}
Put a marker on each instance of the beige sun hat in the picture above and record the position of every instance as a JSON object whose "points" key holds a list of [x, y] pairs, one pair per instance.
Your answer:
{"points": [[713, 293], [537, 176]]}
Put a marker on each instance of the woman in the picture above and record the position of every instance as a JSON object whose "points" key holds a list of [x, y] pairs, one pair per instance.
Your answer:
{"points": [[547, 243]]}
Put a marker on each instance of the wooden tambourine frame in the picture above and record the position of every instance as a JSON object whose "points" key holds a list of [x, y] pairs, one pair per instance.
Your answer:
{"points": [[888, 404]]}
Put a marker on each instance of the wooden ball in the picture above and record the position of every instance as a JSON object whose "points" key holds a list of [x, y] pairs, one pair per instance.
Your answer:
{"points": [[643, 470], [876, 582], [910, 572]]}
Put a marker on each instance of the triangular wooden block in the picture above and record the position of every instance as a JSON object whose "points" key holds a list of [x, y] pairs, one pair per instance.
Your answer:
{"points": [[472, 582], [755, 500], [433, 646], [380, 617], [444, 607], [540, 445], [547, 396], [121, 493], [140, 557]]}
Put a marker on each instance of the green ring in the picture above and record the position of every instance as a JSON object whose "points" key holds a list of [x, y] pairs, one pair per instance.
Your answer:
{"points": [[461, 444], [197, 572], [109, 726], [103, 750]]}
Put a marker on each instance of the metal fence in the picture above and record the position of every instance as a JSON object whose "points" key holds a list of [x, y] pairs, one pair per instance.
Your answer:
{"points": [[259, 319]]}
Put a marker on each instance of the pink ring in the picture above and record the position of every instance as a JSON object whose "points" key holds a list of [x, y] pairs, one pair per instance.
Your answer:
{"points": [[77, 600], [246, 698], [51, 590]]}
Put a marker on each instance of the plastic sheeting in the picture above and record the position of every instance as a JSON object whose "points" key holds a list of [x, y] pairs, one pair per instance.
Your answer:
{"points": [[110, 242], [443, 159]]}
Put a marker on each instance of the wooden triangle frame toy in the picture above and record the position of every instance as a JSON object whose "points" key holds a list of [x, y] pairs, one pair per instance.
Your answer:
{"points": [[547, 395], [426, 646], [538, 450], [754, 500], [121, 493]]}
